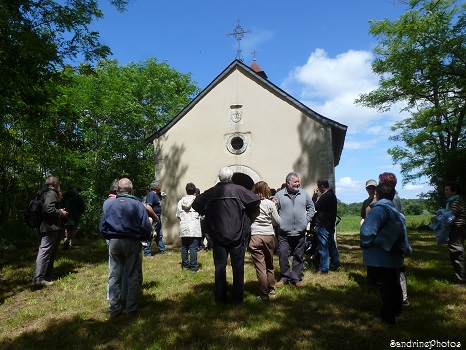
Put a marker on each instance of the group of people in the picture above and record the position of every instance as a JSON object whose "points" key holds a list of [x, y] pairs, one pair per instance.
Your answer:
{"points": [[234, 216], [384, 241], [233, 213]]}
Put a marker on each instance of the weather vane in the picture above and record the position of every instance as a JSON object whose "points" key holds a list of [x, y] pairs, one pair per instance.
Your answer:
{"points": [[238, 33]]}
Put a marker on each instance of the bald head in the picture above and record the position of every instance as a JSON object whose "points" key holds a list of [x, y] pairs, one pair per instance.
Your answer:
{"points": [[125, 186]]}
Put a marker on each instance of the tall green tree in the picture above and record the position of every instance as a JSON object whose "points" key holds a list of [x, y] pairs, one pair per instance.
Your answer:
{"points": [[37, 38], [103, 116], [421, 62]]}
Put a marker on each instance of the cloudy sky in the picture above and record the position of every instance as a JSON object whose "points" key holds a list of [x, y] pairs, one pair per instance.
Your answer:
{"points": [[318, 51]]}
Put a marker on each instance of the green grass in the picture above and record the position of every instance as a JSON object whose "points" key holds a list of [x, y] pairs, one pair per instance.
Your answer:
{"points": [[178, 310], [351, 223]]}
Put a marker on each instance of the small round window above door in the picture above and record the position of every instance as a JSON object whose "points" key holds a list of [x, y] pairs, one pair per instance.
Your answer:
{"points": [[237, 143]]}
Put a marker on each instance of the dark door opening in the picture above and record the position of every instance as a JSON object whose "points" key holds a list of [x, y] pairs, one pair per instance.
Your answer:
{"points": [[243, 180]]}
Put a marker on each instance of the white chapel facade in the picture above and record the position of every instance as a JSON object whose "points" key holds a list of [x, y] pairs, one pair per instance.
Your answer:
{"points": [[243, 121]]}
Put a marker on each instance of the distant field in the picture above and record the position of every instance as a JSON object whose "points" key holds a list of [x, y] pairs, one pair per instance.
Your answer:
{"points": [[350, 223]]}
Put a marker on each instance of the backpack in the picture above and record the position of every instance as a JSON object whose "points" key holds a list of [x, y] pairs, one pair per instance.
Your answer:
{"points": [[33, 212]]}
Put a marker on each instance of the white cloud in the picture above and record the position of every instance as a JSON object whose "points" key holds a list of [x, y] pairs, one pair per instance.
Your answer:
{"points": [[331, 86], [413, 187], [327, 77], [255, 39], [347, 184]]}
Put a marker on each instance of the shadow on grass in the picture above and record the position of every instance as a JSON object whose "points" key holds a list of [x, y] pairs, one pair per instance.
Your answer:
{"points": [[331, 312], [67, 262], [314, 318]]}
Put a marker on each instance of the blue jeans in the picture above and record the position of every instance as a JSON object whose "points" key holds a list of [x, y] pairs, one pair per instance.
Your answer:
{"points": [[189, 243], [158, 236], [220, 253], [327, 249], [291, 246], [124, 255]]}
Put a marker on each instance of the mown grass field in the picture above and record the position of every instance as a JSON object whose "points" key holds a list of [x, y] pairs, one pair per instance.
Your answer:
{"points": [[178, 311]]}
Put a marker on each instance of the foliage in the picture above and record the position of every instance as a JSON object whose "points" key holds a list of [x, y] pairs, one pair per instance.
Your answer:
{"points": [[335, 311], [36, 39], [95, 129], [105, 114], [421, 62]]}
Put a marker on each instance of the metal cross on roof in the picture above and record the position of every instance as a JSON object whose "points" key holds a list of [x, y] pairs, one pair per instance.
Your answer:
{"points": [[238, 33]]}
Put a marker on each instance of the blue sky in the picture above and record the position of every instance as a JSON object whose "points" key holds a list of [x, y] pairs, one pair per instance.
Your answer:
{"points": [[318, 51]]}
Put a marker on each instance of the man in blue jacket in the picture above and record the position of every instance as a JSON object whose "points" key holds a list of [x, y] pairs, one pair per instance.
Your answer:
{"points": [[125, 224], [296, 209], [384, 244]]}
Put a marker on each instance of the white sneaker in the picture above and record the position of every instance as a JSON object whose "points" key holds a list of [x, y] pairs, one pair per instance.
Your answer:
{"points": [[44, 283]]}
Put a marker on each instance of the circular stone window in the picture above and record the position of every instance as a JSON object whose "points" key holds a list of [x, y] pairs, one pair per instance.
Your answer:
{"points": [[237, 144]]}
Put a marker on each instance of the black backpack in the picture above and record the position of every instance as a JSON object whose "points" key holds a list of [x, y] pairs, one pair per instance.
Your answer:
{"points": [[33, 213]]}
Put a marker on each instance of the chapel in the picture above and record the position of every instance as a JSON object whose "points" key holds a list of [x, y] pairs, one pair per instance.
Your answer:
{"points": [[244, 121]]}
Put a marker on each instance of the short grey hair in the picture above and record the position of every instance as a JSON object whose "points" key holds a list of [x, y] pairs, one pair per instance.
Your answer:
{"points": [[290, 176], [154, 184], [225, 174], [125, 186], [114, 187]]}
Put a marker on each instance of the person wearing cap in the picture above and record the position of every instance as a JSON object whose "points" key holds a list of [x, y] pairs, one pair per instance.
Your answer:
{"points": [[153, 200], [370, 188]]}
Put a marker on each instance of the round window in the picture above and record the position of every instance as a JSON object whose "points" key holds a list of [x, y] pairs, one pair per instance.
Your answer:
{"points": [[237, 143]]}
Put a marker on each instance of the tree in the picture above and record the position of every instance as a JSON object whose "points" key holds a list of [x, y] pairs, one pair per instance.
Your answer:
{"points": [[421, 62], [36, 39], [103, 116]]}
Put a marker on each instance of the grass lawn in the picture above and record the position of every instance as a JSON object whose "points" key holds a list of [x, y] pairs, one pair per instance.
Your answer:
{"points": [[333, 311]]}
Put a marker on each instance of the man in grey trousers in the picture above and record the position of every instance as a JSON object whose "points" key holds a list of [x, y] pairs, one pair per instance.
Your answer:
{"points": [[296, 210]]}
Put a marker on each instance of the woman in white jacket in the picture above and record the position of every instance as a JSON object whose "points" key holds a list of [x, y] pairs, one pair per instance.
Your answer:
{"points": [[262, 243], [190, 229]]}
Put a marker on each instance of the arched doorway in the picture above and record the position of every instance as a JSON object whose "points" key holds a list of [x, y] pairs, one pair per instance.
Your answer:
{"points": [[243, 180], [244, 176]]}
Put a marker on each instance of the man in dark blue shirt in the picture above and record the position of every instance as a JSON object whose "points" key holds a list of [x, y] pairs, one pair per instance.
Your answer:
{"points": [[153, 200]]}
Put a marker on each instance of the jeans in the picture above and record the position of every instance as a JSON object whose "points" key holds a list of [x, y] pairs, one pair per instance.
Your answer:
{"points": [[158, 236], [124, 255], [327, 249], [293, 246], [48, 248], [220, 253], [189, 243]]}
